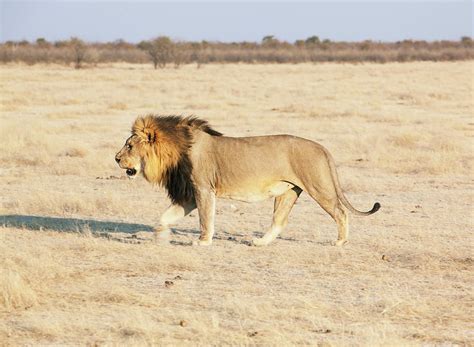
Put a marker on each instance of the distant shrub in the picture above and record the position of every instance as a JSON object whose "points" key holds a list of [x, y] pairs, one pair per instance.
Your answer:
{"points": [[160, 50], [312, 40], [41, 42], [270, 42], [79, 49], [466, 41]]}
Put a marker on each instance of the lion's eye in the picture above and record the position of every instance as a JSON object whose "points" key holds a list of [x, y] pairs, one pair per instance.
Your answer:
{"points": [[129, 147]]}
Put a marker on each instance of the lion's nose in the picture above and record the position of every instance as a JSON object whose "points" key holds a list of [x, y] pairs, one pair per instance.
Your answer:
{"points": [[117, 159]]}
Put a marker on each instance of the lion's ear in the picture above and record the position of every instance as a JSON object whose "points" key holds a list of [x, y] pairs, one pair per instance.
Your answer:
{"points": [[150, 135], [145, 128]]}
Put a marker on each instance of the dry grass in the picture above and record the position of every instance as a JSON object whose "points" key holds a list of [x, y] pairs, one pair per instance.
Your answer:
{"points": [[16, 293], [400, 133]]}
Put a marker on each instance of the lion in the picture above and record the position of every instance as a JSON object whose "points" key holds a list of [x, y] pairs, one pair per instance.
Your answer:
{"points": [[197, 164]]}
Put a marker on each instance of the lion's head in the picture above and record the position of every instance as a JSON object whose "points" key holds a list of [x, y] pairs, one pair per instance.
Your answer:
{"points": [[130, 156], [158, 148]]}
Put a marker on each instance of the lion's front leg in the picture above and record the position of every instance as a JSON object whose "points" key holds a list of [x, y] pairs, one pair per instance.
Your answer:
{"points": [[172, 214], [206, 204]]}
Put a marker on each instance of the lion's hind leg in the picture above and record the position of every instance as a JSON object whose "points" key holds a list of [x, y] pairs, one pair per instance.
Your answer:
{"points": [[330, 203], [328, 200], [342, 221], [282, 208]]}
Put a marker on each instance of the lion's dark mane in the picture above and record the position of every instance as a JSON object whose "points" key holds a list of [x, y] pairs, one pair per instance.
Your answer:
{"points": [[177, 179]]}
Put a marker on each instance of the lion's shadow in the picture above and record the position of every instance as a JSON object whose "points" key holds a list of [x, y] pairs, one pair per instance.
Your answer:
{"points": [[106, 228], [95, 227], [70, 224]]}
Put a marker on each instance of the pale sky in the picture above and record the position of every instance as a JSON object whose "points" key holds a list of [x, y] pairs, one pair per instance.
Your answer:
{"points": [[228, 21]]}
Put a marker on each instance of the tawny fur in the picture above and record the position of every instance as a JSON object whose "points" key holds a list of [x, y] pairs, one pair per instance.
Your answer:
{"points": [[196, 164]]}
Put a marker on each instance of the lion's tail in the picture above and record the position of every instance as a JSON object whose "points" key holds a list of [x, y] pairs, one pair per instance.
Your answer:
{"points": [[340, 193]]}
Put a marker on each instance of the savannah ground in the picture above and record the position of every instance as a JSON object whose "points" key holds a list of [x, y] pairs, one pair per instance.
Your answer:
{"points": [[88, 273]]}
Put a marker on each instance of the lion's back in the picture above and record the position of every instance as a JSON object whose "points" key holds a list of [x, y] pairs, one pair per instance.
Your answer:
{"points": [[249, 163]]}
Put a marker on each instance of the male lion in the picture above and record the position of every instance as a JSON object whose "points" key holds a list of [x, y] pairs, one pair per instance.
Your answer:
{"points": [[196, 164]]}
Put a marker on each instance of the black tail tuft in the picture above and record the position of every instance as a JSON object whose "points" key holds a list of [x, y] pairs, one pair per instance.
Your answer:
{"points": [[375, 208]]}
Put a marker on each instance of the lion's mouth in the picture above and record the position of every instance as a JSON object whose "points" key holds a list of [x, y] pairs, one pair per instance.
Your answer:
{"points": [[131, 172]]}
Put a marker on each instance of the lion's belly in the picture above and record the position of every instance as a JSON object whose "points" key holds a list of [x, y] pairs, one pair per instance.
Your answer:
{"points": [[255, 194]]}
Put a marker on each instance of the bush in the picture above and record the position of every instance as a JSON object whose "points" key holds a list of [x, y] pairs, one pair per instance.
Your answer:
{"points": [[78, 48], [160, 50]]}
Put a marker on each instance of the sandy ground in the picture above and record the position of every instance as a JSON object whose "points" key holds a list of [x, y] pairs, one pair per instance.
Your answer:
{"points": [[77, 262]]}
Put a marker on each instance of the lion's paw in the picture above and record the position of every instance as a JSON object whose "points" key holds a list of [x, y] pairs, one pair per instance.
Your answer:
{"points": [[339, 242], [162, 238], [162, 242], [259, 242], [202, 243]]}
